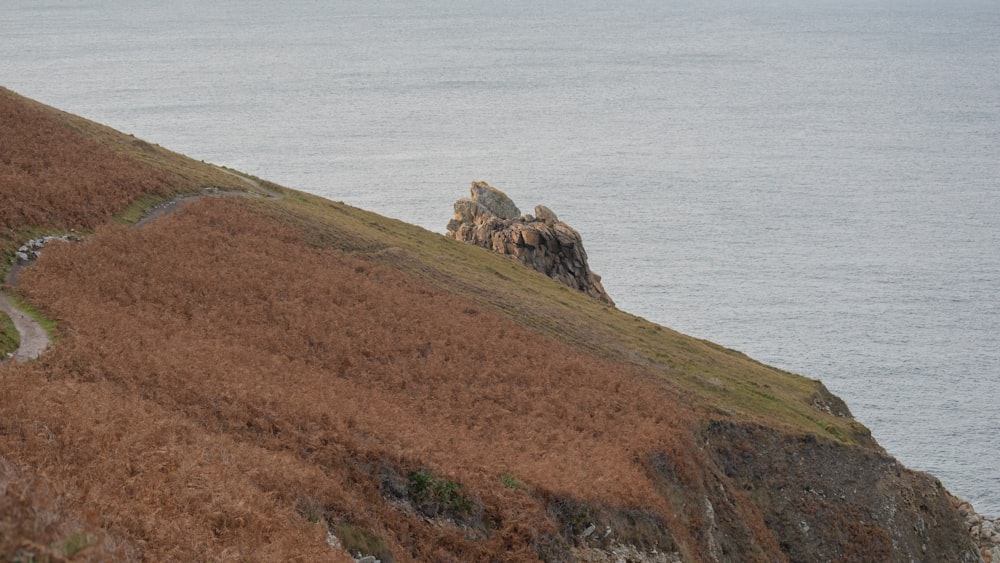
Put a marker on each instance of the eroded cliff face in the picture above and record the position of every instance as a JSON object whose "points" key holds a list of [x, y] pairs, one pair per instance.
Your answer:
{"points": [[741, 492], [490, 219], [825, 501]]}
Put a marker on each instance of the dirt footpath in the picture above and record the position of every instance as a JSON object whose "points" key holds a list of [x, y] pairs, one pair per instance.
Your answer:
{"points": [[34, 339]]}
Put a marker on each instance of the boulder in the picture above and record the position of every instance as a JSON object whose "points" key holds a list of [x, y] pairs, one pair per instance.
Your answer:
{"points": [[545, 215], [490, 219], [495, 201]]}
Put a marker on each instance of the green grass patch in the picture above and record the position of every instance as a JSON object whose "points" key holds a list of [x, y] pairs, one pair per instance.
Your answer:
{"points": [[140, 208], [432, 494], [9, 337], [511, 482]]}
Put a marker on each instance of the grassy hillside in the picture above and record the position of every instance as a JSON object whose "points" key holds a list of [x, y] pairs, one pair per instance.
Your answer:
{"points": [[295, 379], [720, 382], [117, 175]]}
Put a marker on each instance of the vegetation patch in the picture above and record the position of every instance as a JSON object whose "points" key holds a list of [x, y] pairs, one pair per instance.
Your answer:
{"points": [[141, 207], [9, 337], [360, 542], [434, 495], [511, 482]]}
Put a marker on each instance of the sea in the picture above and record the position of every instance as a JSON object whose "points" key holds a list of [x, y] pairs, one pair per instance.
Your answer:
{"points": [[815, 183]]}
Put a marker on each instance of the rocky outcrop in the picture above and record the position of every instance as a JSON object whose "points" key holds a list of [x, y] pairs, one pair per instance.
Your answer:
{"points": [[984, 532], [490, 219], [30, 250], [826, 501]]}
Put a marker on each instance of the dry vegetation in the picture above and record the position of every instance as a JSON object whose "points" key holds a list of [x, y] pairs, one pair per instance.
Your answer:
{"points": [[718, 381], [59, 172], [49, 175], [240, 378], [215, 375]]}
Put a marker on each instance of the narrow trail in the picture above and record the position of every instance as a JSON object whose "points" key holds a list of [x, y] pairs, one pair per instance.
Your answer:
{"points": [[34, 338], [173, 205]]}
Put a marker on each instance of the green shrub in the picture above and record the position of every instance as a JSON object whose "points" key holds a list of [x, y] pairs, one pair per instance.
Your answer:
{"points": [[511, 482], [432, 494]]}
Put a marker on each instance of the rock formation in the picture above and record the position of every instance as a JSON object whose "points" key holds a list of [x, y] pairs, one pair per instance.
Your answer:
{"points": [[490, 219], [985, 532]]}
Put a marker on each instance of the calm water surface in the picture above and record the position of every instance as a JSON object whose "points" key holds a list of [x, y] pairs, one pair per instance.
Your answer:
{"points": [[815, 184]]}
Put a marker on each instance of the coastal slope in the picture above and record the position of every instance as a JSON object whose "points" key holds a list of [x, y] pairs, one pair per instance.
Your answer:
{"points": [[289, 377]]}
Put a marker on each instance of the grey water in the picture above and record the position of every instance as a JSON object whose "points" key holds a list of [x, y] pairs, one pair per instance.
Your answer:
{"points": [[814, 183]]}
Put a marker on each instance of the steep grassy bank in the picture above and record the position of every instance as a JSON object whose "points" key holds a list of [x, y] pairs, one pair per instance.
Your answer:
{"points": [[294, 378], [721, 382]]}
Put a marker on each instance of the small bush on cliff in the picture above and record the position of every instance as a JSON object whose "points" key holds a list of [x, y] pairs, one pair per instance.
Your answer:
{"points": [[434, 495], [511, 482]]}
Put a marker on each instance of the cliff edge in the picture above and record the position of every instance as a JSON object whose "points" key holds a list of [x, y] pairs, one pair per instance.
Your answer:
{"points": [[261, 378]]}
